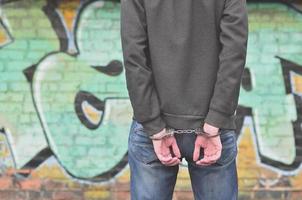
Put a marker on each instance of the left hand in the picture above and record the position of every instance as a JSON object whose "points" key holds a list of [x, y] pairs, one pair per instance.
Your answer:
{"points": [[162, 150], [212, 146]]}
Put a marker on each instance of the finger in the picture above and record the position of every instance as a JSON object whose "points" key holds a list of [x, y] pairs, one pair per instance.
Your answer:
{"points": [[176, 150], [204, 160], [165, 151], [166, 162], [163, 158], [173, 161], [169, 158], [177, 161], [203, 141], [209, 159], [205, 163], [196, 152]]}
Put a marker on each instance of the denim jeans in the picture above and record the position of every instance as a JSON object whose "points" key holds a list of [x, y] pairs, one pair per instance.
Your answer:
{"points": [[152, 180]]}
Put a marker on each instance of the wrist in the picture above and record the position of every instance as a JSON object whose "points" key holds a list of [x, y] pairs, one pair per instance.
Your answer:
{"points": [[164, 133], [210, 133], [210, 129]]}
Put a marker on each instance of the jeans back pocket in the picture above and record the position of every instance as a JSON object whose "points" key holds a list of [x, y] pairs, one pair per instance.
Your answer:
{"points": [[140, 145], [229, 147]]}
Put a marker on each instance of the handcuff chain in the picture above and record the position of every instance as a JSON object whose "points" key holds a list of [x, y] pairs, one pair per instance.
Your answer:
{"points": [[198, 131]]}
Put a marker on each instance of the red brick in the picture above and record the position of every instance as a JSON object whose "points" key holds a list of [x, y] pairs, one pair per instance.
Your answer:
{"points": [[68, 195], [53, 185], [121, 195], [13, 195], [30, 184], [6, 182]]}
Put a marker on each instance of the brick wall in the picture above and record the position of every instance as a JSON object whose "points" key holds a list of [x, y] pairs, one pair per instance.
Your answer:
{"points": [[65, 111]]}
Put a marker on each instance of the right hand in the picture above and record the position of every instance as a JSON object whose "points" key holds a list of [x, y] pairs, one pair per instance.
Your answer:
{"points": [[162, 150], [212, 149]]}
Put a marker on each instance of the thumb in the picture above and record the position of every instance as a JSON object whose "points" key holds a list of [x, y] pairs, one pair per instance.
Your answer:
{"points": [[203, 141], [196, 151], [175, 149]]}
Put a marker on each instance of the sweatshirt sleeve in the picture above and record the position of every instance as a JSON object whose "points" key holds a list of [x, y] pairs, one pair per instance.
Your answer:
{"points": [[139, 78], [233, 38]]}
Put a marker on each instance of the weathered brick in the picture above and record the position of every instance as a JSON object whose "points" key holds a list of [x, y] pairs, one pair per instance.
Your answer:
{"points": [[13, 195], [5, 182], [30, 184], [68, 195]]}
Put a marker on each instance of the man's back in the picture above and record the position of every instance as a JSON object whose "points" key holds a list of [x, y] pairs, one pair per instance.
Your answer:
{"points": [[184, 61]]}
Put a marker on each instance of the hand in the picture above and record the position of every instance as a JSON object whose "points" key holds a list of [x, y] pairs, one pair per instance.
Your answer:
{"points": [[212, 146], [162, 150]]}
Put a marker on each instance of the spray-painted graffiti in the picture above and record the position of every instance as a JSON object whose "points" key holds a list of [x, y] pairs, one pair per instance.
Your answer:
{"points": [[273, 109], [63, 91], [77, 95]]}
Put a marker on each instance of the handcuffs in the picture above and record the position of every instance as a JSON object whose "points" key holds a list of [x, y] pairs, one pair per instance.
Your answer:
{"points": [[171, 131]]}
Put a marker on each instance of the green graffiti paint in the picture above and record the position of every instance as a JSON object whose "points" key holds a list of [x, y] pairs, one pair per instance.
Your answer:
{"points": [[85, 152], [18, 115], [274, 30]]}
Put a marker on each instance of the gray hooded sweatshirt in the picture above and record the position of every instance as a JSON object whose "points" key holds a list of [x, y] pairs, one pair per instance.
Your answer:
{"points": [[184, 61]]}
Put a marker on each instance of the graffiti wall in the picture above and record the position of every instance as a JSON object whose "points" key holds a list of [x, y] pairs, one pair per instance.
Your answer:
{"points": [[65, 113]]}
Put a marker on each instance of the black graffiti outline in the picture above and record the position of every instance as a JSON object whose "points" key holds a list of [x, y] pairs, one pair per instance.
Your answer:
{"points": [[243, 111], [113, 68], [7, 32], [288, 66], [47, 152]]}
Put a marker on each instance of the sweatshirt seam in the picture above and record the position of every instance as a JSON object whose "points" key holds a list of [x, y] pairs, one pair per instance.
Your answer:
{"points": [[151, 120], [183, 115]]}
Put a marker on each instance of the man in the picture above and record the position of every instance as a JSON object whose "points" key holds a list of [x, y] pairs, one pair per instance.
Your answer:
{"points": [[184, 61]]}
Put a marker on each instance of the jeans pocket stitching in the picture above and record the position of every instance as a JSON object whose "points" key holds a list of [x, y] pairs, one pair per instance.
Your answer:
{"points": [[140, 131], [141, 139], [227, 157], [228, 141], [146, 158], [137, 142], [138, 128]]}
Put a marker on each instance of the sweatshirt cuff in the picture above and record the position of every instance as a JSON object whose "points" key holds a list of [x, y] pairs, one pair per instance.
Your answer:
{"points": [[220, 120], [154, 126]]}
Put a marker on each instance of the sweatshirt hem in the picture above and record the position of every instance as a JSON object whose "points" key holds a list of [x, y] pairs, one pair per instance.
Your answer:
{"points": [[193, 121], [183, 121]]}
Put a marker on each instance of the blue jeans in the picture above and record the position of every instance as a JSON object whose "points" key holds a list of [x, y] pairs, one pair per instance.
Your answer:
{"points": [[150, 179]]}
